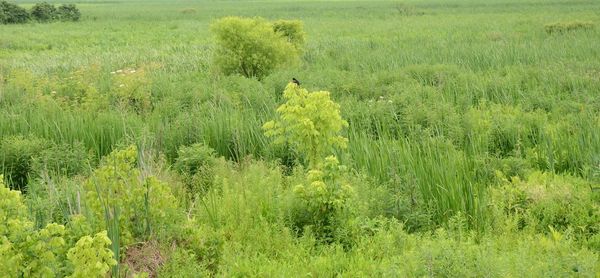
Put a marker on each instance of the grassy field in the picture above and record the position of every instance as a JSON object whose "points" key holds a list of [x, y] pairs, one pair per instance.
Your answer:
{"points": [[473, 137]]}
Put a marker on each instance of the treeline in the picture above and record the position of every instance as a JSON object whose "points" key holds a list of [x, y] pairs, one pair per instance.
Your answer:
{"points": [[41, 12]]}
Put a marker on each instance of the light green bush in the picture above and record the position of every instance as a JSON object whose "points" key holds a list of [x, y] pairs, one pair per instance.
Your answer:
{"points": [[25, 251], [138, 206], [195, 163], [90, 256], [544, 201], [250, 46], [309, 122]]}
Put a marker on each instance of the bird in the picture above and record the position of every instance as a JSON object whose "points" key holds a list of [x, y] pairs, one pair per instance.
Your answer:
{"points": [[295, 81]]}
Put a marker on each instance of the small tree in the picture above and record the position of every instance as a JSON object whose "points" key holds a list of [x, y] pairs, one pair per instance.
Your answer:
{"points": [[69, 12], [251, 47], [44, 12], [292, 30], [309, 122], [12, 14]]}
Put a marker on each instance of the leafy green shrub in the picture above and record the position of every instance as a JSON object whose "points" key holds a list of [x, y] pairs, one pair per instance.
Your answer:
{"points": [[544, 201], [324, 202], [250, 46], [12, 14], [17, 154], [182, 263], [139, 206], [562, 27], [196, 163], [201, 243], [90, 257], [69, 12], [25, 251], [131, 91], [63, 159], [44, 12], [309, 122], [293, 31]]}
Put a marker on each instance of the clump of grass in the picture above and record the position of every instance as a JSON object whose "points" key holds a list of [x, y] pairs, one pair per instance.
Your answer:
{"points": [[562, 27], [188, 11]]}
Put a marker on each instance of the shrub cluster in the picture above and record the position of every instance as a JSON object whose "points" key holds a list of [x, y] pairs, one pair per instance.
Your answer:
{"points": [[254, 47], [42, 12], [12, 14], [54, 250], [562, 27]]}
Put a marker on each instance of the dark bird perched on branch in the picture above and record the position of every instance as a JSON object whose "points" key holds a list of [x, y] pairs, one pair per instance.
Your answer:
{"points": [[295, 81]]}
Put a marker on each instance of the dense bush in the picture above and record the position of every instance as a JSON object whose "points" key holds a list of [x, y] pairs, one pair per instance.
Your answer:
{"points": [[16, 158], [24, 157], [44, 12], [562, 27], [47, 252], [195, 163], [140, 206], [293, 31], [41, 12], [311, 124], [12, 14], [69, 12], [545, 202], [251, 47]]}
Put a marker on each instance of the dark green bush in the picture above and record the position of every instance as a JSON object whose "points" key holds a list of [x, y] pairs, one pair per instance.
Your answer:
{"points": [[195, 163], [562, 27], [44, 12], [12, 14], [16, 159], [69, 12], [62, 159]]}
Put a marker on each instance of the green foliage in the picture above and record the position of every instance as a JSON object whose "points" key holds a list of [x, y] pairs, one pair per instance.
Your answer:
{"points": [[25, 157], [562, 27], [16, 156], [182, 263], [293, 30], [44, 12], [309, 122], [25, 251], [202, 244], [69, 12], [91, 257], [195, 163], [430, 128], [126, 202], [63, 159], [12, 14], [130, 92], [544, 200], [250, 47], [324, 200]]}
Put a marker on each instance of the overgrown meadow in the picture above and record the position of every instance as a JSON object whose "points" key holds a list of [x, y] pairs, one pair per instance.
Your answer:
{"points": [[427, 138]]}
